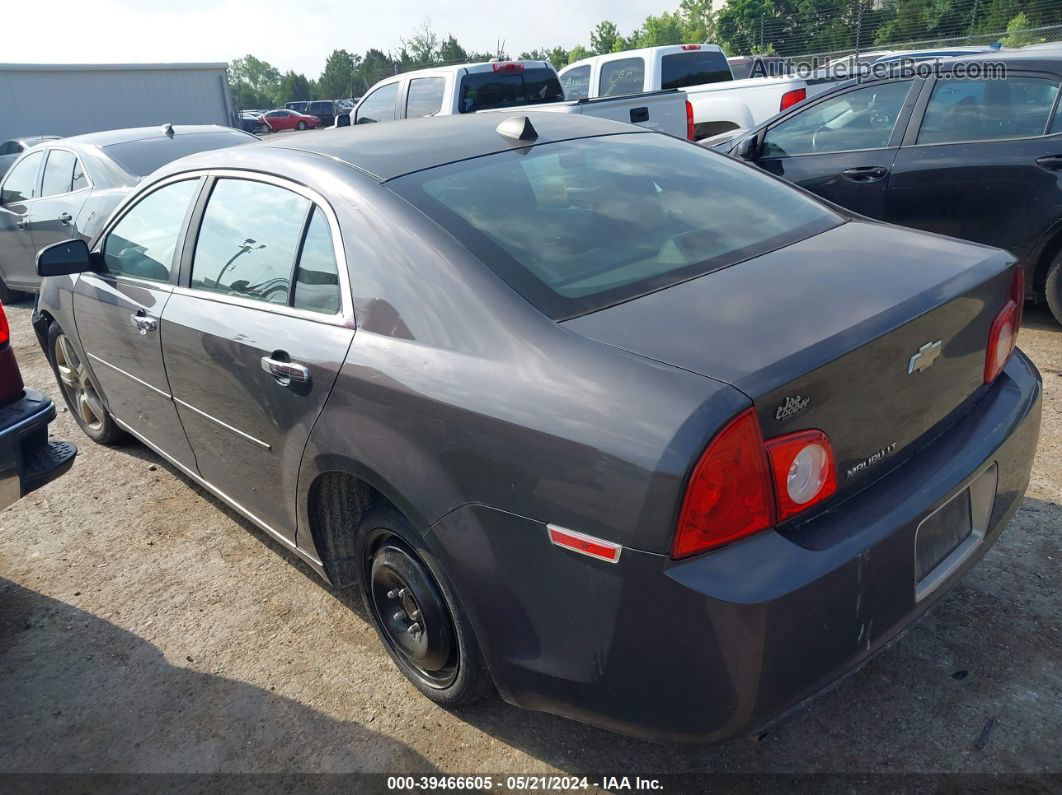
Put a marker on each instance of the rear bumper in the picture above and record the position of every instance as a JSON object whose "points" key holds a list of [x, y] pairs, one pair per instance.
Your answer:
{"points": [[716, 646], [28, 459]]}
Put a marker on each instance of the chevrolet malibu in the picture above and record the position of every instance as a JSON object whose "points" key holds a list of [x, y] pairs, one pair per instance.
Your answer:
{"points": [[634, 433]]}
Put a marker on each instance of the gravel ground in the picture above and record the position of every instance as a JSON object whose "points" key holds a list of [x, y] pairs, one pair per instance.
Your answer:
{"points": [[144, 627]]}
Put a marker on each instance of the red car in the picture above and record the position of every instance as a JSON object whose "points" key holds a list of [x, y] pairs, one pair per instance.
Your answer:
{"points": [[284, 119]]}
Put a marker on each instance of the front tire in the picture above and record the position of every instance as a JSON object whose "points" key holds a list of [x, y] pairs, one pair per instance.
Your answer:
{"points": [[415, 612], [1053, 288], [78, 386], [301, 125]]}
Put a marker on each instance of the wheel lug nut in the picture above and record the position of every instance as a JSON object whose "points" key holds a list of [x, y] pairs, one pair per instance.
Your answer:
{"points": [[415, 615], [399, 615], [392, 594], [413, 629]]}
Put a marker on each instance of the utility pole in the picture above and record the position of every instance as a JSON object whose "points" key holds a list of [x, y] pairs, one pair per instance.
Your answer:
{"points": [[973, 17], [761, 31], [859, 28]]}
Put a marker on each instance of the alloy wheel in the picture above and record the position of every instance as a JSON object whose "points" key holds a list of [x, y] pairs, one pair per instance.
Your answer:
{"points": [[78, 385]]}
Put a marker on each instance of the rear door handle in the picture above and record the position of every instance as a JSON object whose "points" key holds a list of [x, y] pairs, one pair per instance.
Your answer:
{"points": [[144, 323], [1050, 162], [865, 173], [65, 218], [286, 372]]}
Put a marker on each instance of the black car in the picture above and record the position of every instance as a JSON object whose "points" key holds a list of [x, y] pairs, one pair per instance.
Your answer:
{"points": [[324, 109], [978, 158], [28, 459]]}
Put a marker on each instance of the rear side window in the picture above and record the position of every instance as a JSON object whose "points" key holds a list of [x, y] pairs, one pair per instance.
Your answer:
{"points": [[248, 240], [379, 105], [694, 68], [576, 82], [142, 244], [624, 76], [577, 225], [986, 110], [486, 90], [317, 274], [21, 181], [425, 97], [59, 173], [140, 158]]}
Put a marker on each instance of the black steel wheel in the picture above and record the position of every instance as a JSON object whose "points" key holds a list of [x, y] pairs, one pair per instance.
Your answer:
{"points": [[416, 613]]}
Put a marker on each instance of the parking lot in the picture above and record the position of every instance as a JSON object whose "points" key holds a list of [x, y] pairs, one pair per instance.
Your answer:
{"points": [[145, 627]]}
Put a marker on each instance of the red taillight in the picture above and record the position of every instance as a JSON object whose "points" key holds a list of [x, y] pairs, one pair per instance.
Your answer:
{"points": [[1003, 335], [729, 494], [804, 470], [689, 121], [5, 329], [691, 46], [790, 98], [507, 67]]}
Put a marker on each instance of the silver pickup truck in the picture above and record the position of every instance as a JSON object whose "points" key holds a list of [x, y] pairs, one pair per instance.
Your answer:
{"points": [[508, 86]]}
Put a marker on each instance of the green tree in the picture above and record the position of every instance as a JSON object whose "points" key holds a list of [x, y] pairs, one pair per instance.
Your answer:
{"points": [[668, 28], [603, 37], [452, 52], [294, 87], [558, 56], [375, 66], [422, 47], [338, 78], [577, 53], [1017, 32], [698, 21], [254, 83]]}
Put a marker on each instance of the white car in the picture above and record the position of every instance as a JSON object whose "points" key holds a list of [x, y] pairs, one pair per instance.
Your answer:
{"points": [[718, 101], [508, 86]]}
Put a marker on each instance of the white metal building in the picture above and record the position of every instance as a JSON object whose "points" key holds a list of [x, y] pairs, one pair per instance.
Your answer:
{"points": [[69, 99]]}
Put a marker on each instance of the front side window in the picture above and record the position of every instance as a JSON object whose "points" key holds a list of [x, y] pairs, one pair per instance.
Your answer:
{"points": [[379, 105], [576, 82], [248, 240], [143, 242], [529, 86], [860, 119], [59, 173], [21, 181], [620, 77], [693, 68], [577, 225], [987, 110], [425, 97]]}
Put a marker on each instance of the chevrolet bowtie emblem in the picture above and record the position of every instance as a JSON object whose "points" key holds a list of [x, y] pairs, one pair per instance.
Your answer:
{"points": [[925, 357]]}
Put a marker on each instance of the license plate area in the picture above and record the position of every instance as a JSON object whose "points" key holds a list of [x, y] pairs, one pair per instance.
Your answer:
{"points": [[950, 534]]}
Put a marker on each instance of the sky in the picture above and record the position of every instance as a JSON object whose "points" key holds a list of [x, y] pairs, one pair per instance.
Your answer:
{"points": [[296, 34]]}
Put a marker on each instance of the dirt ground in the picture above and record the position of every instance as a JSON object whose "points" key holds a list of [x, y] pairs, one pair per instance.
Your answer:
{"points": [[144, 627]]}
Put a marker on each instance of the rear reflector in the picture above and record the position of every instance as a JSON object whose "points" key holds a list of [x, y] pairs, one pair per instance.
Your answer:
{"points": [[584, 544], [729, 493], [804, 470], [5, 329], [790, 98], [689, 121], [691, 46], [507, 67]]}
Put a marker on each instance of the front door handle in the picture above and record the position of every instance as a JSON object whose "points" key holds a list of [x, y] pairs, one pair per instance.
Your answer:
{"points": [[1050, 162], [286, 372], [144, 323], [65, 218], [865, 173]]}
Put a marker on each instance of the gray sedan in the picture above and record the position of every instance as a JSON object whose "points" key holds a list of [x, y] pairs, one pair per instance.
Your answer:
{"points": [[634, 432], [68, 187]]}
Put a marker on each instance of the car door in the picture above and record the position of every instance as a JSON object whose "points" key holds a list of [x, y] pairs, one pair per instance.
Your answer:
{"points": [[378, 105], [118, 314], [18, 191], [255, 337], [64, 188], [983, 162], [843, 146]]}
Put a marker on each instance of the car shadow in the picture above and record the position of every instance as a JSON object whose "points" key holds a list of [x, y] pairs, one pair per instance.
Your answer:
{"points": [[79, 694], [1039, 318]]}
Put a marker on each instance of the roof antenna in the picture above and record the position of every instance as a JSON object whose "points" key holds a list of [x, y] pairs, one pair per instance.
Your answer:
{"points": [[167, 129], [518, 128]]}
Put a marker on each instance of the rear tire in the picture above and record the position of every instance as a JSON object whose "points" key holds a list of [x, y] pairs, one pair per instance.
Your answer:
{"points": [[9, 296], [78, 386], [1053, 289], [415, 613], [301, 125]]}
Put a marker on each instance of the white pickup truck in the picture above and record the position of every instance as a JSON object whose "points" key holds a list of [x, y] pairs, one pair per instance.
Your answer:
{"points": [[509, 86], [719, 102]]}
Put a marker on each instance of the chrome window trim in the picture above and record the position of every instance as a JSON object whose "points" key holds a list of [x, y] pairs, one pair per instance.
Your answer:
{"points": [[91, 183], [117, 369], [224, 425]]}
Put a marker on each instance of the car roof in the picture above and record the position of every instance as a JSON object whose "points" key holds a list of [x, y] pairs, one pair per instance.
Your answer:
{"points": [[389, 150], [109, 137]]}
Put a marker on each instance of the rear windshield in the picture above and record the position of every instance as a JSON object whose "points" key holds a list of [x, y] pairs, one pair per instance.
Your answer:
{"points": [[579, 225], [486, 90], [693, 68], [140, 158]]}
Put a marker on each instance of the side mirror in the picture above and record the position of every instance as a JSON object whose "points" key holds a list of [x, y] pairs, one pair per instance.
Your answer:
{"points": [[62, 259], [342, 120], [749, 149]]}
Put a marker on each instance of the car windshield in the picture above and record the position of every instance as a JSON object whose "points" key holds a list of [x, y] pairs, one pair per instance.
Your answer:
{"points": [[140, 158], [579, 225]]}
